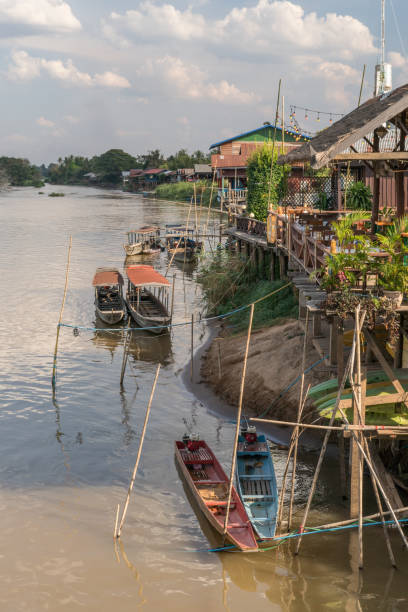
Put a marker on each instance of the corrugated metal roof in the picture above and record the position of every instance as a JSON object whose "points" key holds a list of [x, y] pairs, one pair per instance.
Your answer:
{"points": [[154, 170], [269, 125], [107, 276], [146, 275]]}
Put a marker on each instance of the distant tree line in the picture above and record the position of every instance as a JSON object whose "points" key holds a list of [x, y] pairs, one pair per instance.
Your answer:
{"points": [[108, 167]]}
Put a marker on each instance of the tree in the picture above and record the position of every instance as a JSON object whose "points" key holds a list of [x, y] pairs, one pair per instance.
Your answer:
{"points": [[265, 183], [20, 172], [111, 164], [153, 159]]}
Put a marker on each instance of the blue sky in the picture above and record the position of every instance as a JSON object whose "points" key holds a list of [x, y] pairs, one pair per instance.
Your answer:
{"points": [[81, 77]]}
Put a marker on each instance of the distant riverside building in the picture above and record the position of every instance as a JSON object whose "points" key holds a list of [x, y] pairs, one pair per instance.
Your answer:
{"points": [[232, 159]]}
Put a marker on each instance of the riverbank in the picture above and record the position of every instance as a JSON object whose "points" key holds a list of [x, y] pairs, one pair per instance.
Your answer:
{"points": [[274, 362]]}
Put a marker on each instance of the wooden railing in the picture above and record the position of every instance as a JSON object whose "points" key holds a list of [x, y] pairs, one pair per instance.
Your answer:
{"points": [[251, 226]]}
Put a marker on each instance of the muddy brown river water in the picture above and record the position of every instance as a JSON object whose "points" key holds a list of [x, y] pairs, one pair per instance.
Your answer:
{"points": [[66, 464]]}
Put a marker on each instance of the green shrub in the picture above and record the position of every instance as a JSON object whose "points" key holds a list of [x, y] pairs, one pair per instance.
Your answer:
{"points": [[358, 197], [183, 191], [229, 282], [264, 184]]}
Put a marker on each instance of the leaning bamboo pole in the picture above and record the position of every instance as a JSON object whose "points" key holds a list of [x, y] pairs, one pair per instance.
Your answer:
{"points": [[348, 368], [54, 366], [281, 499], [211, 196], [273, 145], [375, 475], [237, 428], [139, 453], [296, 432]]}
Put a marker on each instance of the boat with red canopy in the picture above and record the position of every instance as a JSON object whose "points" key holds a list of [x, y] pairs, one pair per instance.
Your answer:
{"points": [[209, 485], [147, 298], [109, 303]]}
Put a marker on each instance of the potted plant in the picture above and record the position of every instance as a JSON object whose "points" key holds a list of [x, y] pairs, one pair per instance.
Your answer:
{"points": [[358, 196], [393, 274]]}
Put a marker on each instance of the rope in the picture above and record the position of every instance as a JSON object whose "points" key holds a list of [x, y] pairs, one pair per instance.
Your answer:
{"points": [[302, 532], [221, 316]]}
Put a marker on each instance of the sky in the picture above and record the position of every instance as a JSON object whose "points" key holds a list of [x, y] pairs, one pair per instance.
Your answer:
{"points": [[80, 77]]}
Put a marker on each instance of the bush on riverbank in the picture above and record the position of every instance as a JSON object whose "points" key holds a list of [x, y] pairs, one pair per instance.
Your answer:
{"points": [[229, 282], [183, 192]]}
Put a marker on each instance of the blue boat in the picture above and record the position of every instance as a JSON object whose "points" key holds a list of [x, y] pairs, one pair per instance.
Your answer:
{"points": [[256, 482]]}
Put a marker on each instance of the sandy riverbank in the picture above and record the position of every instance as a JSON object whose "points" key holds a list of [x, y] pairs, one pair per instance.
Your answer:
{"points": [[274, 361]]}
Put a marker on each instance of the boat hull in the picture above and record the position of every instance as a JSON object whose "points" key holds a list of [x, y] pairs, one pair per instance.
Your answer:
{"points": [[133, 249], [239, 532], [161, 323], [183, 255], [256, 484], [110, 316]]}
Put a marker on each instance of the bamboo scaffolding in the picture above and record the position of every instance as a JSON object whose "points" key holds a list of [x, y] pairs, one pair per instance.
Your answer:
{"points": [[139, 453], [54, 366], [237, 428], [211, 196]]}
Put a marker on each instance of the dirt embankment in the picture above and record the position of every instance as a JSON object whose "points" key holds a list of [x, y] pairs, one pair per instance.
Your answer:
{"points": [[274, 361]]}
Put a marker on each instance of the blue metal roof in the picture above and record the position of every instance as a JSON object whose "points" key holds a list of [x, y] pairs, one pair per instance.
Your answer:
{"points": [[269, 125]]}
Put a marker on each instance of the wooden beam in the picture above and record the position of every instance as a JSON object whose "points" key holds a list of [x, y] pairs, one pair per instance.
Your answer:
{"points": [[374, 156], [384, 364], [376, 400]]}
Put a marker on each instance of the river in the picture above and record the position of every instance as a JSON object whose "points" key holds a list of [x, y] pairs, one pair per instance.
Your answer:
{"points": [[65, 463]]}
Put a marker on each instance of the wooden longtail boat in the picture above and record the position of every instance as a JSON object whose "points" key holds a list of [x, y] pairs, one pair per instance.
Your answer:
{"points": [[147, 298], [256, 482], [109, 303], [180, 243], [143, 241], [209, 485]]}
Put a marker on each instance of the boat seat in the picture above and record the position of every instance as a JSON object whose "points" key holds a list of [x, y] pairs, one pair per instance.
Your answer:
{"points": [[210, 482], [258, 498], [255, 486], [214, 503]]}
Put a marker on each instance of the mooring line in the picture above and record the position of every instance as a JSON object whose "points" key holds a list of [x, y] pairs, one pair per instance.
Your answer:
{"points": [[184, 323]]}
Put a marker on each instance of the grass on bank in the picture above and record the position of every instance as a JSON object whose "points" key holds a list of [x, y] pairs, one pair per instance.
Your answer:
{"points": [[229, 282], [183, 192]]}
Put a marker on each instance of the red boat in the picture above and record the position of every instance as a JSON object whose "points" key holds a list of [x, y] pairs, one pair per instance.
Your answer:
{"points": [[209, 485]]}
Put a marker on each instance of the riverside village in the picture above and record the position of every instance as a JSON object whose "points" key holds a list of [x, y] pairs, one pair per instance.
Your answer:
{"points": [[205, 355]]}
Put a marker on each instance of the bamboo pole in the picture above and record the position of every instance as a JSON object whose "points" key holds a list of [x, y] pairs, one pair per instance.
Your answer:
{"points": [[172, 298], [139, 453], [368, 517], [125, 357], [281, 500], [381, 512], [172, 257], [54, 367], [241, 397], [373, 472], [296, 431], [192, 348], [349, 367], [283, 125], [211, 196], [273, 144], [116, 522], [195, 208], [361, 86]]}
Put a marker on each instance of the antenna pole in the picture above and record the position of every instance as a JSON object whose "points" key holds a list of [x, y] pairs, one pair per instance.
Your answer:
{"points": [[382, 31]]}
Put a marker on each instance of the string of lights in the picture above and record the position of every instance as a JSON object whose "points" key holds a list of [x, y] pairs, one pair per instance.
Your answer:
{"points": [[312, 113]]}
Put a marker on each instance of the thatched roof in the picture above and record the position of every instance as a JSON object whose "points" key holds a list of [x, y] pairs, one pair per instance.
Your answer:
{"points": [[349, 129]]}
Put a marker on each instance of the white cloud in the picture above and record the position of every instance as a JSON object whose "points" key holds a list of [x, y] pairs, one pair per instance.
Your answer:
{"points": [[26, 67], [45, 122], [50, 14], [71, 119], [397, 60], [188, 81], [157, 20], [270, 26]]}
